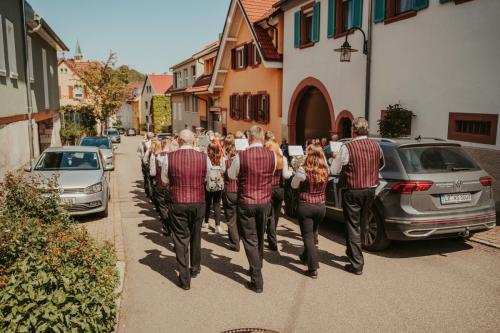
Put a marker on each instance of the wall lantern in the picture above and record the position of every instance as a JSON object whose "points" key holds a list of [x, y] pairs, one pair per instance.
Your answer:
{"points": [[346, 49]]}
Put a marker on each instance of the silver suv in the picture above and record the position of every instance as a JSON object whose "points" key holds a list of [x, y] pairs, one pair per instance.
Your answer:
{"points": [[428, 189]]}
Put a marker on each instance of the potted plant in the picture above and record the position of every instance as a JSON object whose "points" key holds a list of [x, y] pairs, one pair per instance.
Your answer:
{"points": [[395, 121]]}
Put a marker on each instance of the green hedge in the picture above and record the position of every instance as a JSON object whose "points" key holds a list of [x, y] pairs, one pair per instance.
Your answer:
{"points": [[53, 275], [162, 113]]}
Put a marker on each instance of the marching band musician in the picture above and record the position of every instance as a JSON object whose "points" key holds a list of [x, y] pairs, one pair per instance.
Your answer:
{"points": [[254, 169], [281, 173], [311, 179], [186, 170], [152, 152], [230, 196], [214, 185], [141, 152], [162, 188]]}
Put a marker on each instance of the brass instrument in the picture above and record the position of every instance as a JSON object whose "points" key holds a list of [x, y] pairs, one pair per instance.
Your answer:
{"points": [[297, 162]]}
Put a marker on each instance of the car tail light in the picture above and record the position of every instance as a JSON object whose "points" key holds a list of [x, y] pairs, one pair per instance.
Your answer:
{"points": [[408, 187], [486, 181]]}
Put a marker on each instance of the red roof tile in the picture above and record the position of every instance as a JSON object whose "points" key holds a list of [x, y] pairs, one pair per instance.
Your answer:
{"points": [[160, 82], [256, 9], [78, 66], [266, 43]]}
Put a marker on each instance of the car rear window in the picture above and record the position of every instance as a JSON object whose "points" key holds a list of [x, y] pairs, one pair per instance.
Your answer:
{"points": [[436, 159], [102, 143]]}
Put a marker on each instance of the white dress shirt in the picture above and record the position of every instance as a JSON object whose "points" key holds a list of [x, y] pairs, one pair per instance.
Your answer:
{"points": [[234, 169], [342, 158], [140, 148]]}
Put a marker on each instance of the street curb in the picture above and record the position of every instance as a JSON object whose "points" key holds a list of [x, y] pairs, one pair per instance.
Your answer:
{"points": [[120, 267], [480, 241]]}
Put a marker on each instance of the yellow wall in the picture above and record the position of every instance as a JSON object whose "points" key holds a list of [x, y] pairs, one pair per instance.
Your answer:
{"points": [[253, 80]]}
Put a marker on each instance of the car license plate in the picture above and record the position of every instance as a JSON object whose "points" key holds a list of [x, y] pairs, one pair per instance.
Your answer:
{"points": [[68, 201], [453, 198]]}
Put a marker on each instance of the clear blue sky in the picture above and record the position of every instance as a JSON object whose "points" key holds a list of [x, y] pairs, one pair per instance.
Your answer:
{"points": [[148, 35]]}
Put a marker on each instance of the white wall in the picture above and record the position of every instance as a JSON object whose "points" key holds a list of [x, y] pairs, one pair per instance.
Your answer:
{"points": [[445, 59], [344, 81], [16, 154], [125, 115]]}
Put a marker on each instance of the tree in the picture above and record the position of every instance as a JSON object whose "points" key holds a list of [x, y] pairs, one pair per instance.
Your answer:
{"points": [[105, 88]]}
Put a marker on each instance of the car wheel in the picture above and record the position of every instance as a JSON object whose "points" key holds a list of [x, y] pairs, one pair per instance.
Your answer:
{"points": [[104, 213], [373, 236]]}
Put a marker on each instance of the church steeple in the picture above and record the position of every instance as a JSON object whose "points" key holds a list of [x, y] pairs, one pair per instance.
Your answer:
{"points": [[78, 51]]}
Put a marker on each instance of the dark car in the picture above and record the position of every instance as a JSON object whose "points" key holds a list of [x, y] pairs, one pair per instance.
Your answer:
{"points": [[121, 130], [428, 189]]}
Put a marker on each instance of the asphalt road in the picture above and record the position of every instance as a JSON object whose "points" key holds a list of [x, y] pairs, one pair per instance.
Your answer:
{"points": [[431, 286]]}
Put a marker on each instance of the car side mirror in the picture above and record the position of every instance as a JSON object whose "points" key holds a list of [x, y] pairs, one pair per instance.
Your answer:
{"points": [[109, 168], [27, 168]]}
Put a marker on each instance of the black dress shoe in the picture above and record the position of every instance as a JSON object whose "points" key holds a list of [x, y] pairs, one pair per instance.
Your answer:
{"points": [[312, 273], [184, 285], [251, 286], [234, 248], [303, 259], [350, 268], [194, 273], [273, 247]]}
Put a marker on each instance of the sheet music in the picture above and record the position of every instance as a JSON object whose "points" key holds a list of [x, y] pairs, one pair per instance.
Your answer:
{"points": [[241, 144], [295, 151]]}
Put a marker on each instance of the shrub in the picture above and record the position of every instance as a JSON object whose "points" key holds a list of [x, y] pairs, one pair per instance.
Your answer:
{"points": [[395, 121], [53, 276], [70, 133]]}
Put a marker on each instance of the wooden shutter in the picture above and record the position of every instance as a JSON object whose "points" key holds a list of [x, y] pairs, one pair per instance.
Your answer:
{"points": [[233, 59], [331, 18], [255, 111], [296, 29], [267, 110], [70, 92], [250, 58], [245, 55], [356, 12], [316, 22], [444, 1], [420, 4], [3, 68], [378, 11]]}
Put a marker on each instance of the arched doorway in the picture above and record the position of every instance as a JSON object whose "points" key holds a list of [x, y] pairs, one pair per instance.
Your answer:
{"points": [[313, 116], [311, 112], [345, 128]]}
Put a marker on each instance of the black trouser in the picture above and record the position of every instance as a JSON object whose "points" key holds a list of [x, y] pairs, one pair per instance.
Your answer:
{"points": [[152, 191], [230, 201], [186, 229], [213, 199], [252, 220], [145, 176], [163, 198], [272, 223], [356, 204], [310, 216]]}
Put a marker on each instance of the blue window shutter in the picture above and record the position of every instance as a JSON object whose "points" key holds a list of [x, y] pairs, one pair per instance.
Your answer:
{"points": [[378, 10], [420, 4], [331, 18], [356, 12], [296, 28], [316, 22]]}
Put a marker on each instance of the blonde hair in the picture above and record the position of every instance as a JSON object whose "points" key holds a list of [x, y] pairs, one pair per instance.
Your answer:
{"points": [[315, 164], [229, 147], [275, 148], [155, 146]]}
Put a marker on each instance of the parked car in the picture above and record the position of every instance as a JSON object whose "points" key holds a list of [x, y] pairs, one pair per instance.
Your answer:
{"points": [[113, 135], [131, 132], [104, 144], [121, 130], [82, 175], [162, 136], [428, 189]]}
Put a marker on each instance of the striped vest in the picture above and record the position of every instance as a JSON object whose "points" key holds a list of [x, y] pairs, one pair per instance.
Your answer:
{"points": [[363, 167], [278, 177], [255, 176], [230, 185], [187, 170], [158, 170], [313, 192]]}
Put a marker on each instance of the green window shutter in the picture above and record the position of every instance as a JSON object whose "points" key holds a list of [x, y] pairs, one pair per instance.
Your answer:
{"points": [[356, 12], [420, 4], [331, 18], [378, 10], [296, 28], [316, 22]]}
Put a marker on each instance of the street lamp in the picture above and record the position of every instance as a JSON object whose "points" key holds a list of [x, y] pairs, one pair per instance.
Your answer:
{"points": [[346, 49]]}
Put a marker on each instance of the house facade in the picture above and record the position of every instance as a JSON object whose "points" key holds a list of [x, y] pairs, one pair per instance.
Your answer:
{"points": [[185, 112], [39, 50], [248, 69], [424, 55], [154, 85], [125, 115]]}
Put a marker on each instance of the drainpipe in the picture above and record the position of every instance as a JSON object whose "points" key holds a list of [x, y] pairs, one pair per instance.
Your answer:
{"points": [[368, 62], [27, 79]]}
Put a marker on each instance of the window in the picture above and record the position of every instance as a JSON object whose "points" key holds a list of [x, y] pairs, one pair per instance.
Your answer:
{"points": [[193, 72], [250, 107], [473, 127], [186, 77], [240, 56], [78, 92], [45, 79], [343, 15], [389, 11], [306, 25], [234, 107], [146, 104], [3, 69], [30, 60], [255, 55], [11, 49]]}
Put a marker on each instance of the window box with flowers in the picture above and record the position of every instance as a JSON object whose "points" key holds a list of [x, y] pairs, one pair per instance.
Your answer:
{"points": [[395, 121]]}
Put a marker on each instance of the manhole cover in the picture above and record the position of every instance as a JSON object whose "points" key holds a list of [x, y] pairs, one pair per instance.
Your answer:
{"points": [[250, 330]]}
